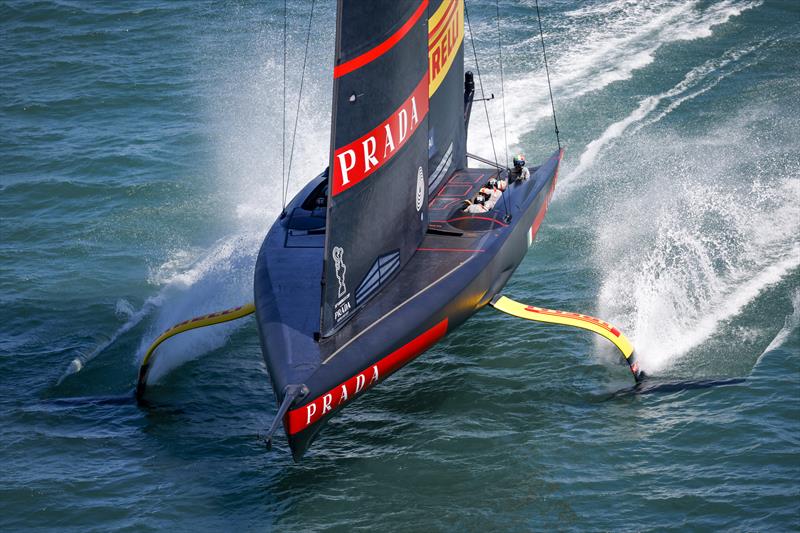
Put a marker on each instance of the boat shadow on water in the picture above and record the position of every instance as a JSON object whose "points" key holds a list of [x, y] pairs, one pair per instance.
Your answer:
{"points": [[652, 385]]}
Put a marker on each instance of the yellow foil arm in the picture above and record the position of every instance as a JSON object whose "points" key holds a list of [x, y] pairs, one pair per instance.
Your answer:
{"points": [[194, 323], [576, 320]]}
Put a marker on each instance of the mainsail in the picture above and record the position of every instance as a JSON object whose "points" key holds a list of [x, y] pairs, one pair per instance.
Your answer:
{"points": [[397, 131]]}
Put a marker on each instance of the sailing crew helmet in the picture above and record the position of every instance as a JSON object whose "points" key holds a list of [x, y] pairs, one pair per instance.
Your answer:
{"points": [[480, 199], [492, 183], [519, 161]]}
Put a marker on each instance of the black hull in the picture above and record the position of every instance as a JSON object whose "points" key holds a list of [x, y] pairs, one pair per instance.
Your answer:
{"points": [[461, 265]]}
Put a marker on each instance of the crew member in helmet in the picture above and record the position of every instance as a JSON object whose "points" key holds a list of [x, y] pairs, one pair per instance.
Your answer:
{"points": [[487, 197], [493, 189], [477, 204], [519, 172]]}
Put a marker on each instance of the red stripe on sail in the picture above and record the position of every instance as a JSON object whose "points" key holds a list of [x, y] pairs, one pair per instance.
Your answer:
{"points": [[371, 55], [299, 419], [360, 158], [492, 220]]}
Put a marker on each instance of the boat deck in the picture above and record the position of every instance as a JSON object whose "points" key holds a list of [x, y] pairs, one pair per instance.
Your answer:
{"points": [[294, 258], [454, 238], [444, 209]]}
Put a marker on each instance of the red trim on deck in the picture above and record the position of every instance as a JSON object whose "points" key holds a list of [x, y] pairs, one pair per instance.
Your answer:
{"points": [[373, 54], [444, 204], [464, 177], [449, 250], [296, 420], [473, 218], [444, 193]]}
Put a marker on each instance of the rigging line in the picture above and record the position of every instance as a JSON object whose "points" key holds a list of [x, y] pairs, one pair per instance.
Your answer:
{"points": [[488, 122], [547, 71], [283, 130], [503, 100], [300, 95], [502, 81], [480, 82]]}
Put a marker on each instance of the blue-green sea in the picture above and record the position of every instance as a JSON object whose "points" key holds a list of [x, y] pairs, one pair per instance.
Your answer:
{"points": [[140, 167]]}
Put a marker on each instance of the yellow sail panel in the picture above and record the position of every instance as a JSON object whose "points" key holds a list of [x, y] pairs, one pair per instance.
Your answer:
{"points": [[445, 35], [577, 320]]}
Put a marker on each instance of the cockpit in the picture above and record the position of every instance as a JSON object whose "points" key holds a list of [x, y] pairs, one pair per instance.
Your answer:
{"points": [[310, 215]]}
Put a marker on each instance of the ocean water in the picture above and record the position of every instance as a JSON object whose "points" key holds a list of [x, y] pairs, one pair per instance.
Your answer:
{"points": [[140, 167]]}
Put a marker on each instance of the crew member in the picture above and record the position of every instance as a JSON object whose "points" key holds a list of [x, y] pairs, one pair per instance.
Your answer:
{"points": [[519, 172], [487, 197], [477, 204]]}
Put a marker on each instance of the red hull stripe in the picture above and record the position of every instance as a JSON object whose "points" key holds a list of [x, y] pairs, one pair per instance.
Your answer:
{"points": [[355, 161], [299, 419], [371, 55], [540, 215]]}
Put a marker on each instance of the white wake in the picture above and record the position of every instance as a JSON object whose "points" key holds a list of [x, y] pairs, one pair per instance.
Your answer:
{"points": [[603, 44], [697, 81]]}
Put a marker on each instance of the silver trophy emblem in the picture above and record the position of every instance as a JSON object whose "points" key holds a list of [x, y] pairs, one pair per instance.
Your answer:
{"points": [[341, 268]]}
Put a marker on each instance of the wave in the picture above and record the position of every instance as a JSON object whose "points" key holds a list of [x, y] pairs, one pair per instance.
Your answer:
{"points": [[790, 325], [245, 139], [217, 279], [615, 51], [679, 295], [706, 76], [605, 9], [608, 52], [220, 279], [704, 227], [135, 317]]}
